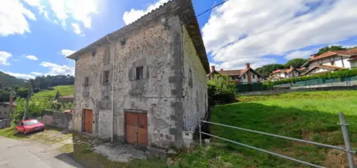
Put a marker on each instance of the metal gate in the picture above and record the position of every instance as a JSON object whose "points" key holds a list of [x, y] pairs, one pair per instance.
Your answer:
{"points": [[344, 128]]}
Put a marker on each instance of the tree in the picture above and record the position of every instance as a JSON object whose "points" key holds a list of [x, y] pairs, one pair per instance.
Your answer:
{"points": [[221, 89], [297, 62], [330, 48], [267, 69], [57, 96]]}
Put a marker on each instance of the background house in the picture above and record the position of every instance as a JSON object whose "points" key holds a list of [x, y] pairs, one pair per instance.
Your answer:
{"points": [[331, 61], [284, 73], [146, 83], [241, 76]]}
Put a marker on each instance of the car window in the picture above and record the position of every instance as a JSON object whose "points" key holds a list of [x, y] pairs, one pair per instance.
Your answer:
{"points": [[30, 122]]}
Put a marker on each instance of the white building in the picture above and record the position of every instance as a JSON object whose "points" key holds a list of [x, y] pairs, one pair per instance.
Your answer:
{"points": [[332, 61], [284, 73]]}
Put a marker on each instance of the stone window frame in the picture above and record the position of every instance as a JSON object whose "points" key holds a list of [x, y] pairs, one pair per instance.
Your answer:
{"points": [[139, 73], [106, 77], [86, 81]]}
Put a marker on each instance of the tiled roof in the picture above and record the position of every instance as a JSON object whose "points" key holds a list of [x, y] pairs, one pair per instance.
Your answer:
{"points": [[283, 70], [349, 52], [231, 72], [329, 67]]}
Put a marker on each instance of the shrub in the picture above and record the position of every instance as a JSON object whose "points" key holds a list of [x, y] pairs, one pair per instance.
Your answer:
{"points": [[341, 74], [221, 89]]}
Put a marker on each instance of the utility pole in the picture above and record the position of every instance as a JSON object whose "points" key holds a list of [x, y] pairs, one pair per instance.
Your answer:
{"points": [[11, 99], [29, 93]]}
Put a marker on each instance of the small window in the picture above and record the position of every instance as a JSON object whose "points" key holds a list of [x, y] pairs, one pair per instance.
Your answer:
{"points": [[139, 73], [332, 62], [94, 53], [106, 77], [86, 81]]}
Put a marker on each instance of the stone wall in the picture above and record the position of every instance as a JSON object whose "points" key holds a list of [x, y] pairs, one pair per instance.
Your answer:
{"points": [[195, 89], [58, 120], [164, 92], [5, 111], [159, 94], [4, 123]]}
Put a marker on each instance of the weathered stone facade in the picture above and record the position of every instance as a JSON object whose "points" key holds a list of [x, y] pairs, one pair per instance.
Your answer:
{"points": [[156, 66], [5, 110]]}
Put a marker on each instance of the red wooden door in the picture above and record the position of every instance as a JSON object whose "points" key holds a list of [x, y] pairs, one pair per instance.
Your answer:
{"points": [[87, 120], [136, 128], [142, 129]]}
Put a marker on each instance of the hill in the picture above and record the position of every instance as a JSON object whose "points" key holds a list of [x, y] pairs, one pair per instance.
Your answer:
{"points": [[7, 80], [64, 90], [307, 115]]}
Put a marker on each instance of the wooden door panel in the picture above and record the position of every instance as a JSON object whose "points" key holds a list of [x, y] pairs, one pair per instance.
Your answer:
{"points": [[136, 128], [87, 120], [131, 136], [142, 129]]}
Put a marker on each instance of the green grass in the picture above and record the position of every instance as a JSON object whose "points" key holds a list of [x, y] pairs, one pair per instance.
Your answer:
{"points": [[11, 133], [65, 90], [307, 115]]}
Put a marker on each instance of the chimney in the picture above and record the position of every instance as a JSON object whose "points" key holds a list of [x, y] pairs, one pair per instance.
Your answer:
{"points": [[248, 65], [213, 68]]}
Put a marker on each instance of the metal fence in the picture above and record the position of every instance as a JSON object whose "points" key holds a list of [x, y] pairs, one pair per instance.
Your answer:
{"points": [[344, 128]]}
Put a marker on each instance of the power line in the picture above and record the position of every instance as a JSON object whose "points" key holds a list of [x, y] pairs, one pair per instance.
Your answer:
{"points": [[211, 8]]}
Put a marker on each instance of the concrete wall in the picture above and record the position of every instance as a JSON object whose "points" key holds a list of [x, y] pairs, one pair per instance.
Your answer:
{"points": [[195, 88], [157, 47]]}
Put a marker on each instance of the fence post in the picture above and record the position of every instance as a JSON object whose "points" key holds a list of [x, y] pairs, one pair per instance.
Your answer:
{"points": [[199, 132], [346, 138]]}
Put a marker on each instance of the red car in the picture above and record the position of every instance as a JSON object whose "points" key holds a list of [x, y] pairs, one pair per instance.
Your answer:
{"points": [[28, 126]]}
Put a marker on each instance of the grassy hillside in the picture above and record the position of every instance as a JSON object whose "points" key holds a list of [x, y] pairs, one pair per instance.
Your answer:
{"points": [[64, 90], [307, 115], [7, 80]]}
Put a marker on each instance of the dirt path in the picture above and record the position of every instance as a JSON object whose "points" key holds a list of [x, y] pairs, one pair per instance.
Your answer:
{"points": [[25, 153]]}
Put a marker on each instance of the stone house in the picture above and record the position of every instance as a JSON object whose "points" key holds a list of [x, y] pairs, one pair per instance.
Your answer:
{"points": [[242, 76], [146, 83]]}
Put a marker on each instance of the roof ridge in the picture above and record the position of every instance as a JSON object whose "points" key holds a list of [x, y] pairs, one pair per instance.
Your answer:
{"points": [[151, 12]]}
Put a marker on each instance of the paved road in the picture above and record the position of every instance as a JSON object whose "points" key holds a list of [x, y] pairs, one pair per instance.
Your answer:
{"points": [[23, 154]]}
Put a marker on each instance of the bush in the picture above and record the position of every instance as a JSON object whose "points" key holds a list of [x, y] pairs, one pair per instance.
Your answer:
{"points": [[254, 87], [341, 74], [221, 89]]}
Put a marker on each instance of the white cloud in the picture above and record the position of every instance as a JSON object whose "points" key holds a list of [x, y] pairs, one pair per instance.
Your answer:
{"points": [[76, 28], [67, 52], [134, 14], [300, 54], [20, 75], [4, 57], [75, 13], [243, 31], [56, 69], [14, 18], [37, 73], [32, 57]]}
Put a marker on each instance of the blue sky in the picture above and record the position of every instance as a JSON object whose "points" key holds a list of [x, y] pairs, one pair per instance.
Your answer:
{"points": [[36, 35]]}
